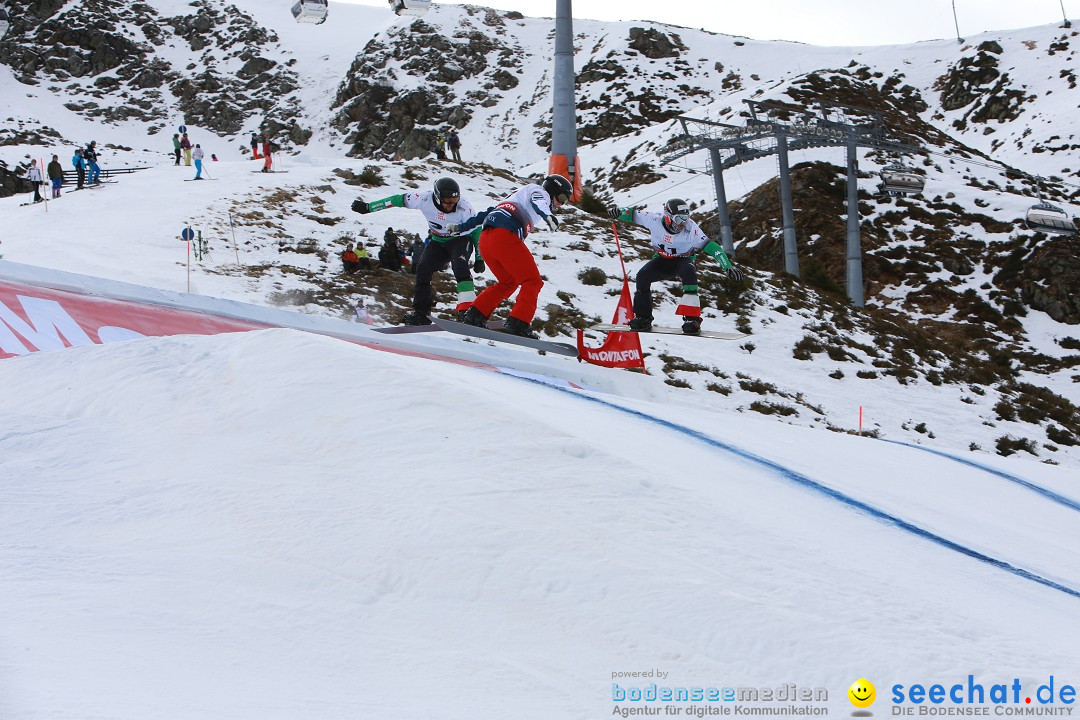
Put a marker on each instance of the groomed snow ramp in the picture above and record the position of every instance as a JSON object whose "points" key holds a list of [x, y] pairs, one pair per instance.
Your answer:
{"points": [[275, 524]]}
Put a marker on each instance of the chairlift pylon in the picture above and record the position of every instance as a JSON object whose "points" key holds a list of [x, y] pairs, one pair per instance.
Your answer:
{"points": [[901, 180], [410, 7], [310, 11]]}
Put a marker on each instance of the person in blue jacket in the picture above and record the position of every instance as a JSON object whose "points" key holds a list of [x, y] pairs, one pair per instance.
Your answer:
{"points": [[79, 164]]}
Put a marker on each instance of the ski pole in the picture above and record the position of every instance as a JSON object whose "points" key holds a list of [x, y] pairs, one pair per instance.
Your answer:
{"points": [[44, 193], [235, 248]]}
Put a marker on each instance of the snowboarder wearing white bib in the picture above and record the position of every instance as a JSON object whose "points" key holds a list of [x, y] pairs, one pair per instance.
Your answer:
{"points": [[677, 240], [442, 207]]}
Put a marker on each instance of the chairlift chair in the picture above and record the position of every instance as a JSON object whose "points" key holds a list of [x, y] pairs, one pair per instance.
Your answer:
{"points": [[901, 180], [410, 7], [310, 11], [1044, 217]]}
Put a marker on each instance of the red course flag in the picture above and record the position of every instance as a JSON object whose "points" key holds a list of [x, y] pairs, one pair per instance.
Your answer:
{"points": [[620, 349]]}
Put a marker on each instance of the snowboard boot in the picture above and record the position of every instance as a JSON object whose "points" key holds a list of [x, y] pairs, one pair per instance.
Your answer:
{"points": [[415, 318], [691, 325], [513, 326], [474, 317], [641, 323]]}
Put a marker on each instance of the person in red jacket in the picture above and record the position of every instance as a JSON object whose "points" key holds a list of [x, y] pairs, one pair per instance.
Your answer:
{"points": [[350, 259], [185, 144], [268, 148]]}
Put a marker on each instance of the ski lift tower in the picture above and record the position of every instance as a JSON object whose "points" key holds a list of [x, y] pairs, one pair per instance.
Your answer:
{"points": [[563, 160], [773, 129]]}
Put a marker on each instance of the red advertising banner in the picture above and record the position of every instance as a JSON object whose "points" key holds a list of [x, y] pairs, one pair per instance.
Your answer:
{"points": [[620, 349], [34, 319]]}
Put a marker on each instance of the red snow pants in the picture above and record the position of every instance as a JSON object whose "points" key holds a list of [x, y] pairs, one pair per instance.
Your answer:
{"points": [[513, 266]]}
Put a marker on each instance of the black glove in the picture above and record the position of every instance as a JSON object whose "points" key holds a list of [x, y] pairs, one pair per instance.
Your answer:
{"points": [[614, 212], [735, 274], [479, 266], [360, 206]]}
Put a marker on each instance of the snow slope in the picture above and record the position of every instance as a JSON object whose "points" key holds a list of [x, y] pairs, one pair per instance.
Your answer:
{"points": [[278, 525]]}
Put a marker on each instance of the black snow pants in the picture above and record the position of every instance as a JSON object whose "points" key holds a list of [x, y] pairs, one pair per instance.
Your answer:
{"points": [[435, 257], [660, 268]]}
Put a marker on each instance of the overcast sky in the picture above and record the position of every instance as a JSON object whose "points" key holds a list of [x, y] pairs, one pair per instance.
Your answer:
{"points": [[817, 22]]}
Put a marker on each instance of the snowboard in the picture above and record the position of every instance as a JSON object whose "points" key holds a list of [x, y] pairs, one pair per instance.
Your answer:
{"points": [[608, 327], [556, 348], [410, 329]]}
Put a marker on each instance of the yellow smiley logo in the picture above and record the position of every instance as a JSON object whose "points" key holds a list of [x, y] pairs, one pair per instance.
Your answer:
{"points": [[862, 693]]}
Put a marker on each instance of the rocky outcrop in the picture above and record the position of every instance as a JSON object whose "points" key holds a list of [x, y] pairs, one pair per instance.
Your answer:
{"points": [[654, 44], [1050, 278], [380, 119], [976, 83], [115, 75]]}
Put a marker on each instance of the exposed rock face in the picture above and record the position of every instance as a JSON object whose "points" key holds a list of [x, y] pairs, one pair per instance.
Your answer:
{"points": [[1050, 279], [976, 82], [654, 44], [382, 120], [109, 53]]}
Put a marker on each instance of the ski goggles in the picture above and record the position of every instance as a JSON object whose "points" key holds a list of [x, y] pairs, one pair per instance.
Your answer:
{"points": [[678, 222]]}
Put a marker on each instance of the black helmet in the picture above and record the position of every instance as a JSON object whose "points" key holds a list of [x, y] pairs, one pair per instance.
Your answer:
{"points": [[559, 188], [445, 189], [676, 215]]}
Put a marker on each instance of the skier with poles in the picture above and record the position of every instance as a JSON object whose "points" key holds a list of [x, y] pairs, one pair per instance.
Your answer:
{"points": [[33, 174], [444, 209], [677, 240], [502, 243]]}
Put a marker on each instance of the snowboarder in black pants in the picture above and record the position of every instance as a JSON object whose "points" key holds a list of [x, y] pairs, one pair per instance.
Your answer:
{"points": [[677, 240], [443, 208]]}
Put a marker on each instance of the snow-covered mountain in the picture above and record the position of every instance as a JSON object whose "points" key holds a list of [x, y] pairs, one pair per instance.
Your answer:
{"points": [[965, 306]]}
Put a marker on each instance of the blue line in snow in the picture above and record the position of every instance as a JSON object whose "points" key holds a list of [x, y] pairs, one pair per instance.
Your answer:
{"points": [[1060, 499], [806, 482]]}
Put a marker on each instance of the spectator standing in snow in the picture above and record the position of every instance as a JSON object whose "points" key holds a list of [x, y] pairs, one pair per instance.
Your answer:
{"points": [[197, 154], [56, 175], [90, 155], [185, 144], [268, 149], [440, 146], [79, 163], [176, 147], [415, 251], [255, 147], [33, 174], [454, 143]]}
